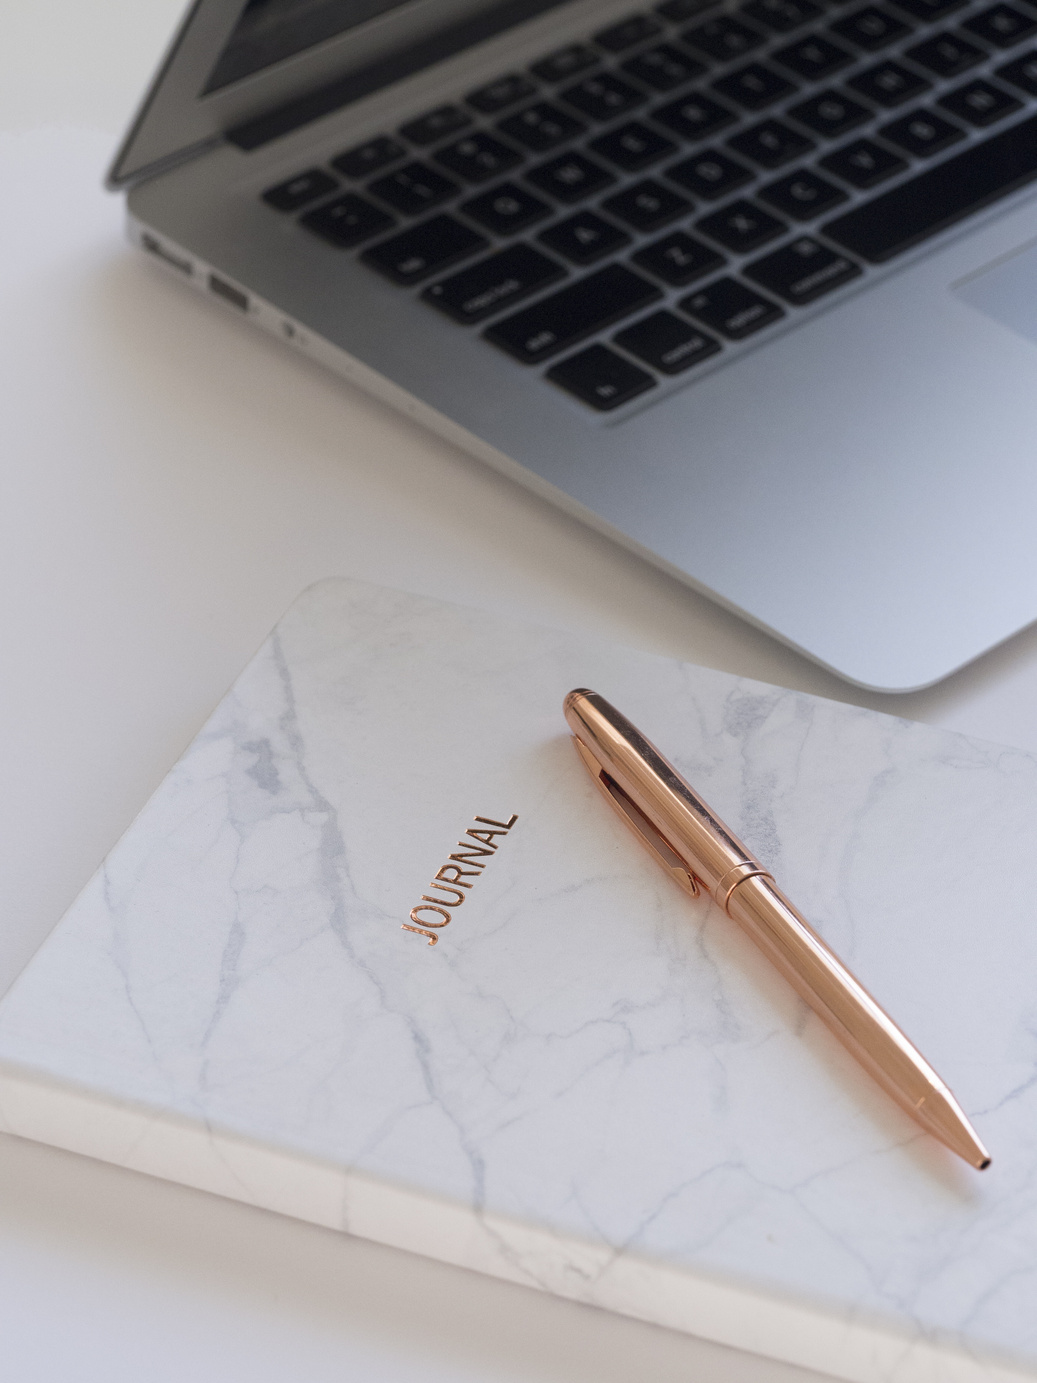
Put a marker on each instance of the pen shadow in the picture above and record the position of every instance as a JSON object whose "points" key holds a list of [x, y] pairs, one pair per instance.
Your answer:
{"points": [[895, 1127], [701, 933], [926, 1153]]}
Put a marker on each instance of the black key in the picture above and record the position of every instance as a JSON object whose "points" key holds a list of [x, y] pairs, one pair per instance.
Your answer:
{"points": [[633, 146], [601, 378], [678, 258], [572, 313], [477, 157], [369, 157], [830, 113], [754, 86], [560, 66], [347, 221], [803, 271], [297, 191], [1022, 73], [731, 308], [506, 209], [647, 205], [781, 15], [770, 144], [977, 176], [710, 174], [639, 28], [603, 96], [1002, 26], [921, 133], [663, 68], [803, 195], [422, 250], [541, 127], [413, 188], [435, 124], [946, 54], [863, 163], [741, 226], [585, 237], [493, 283], [666, 343], [723, 38], [889, 84], [871, 28], [502, 93], [570, 177], [980, 103], [929, 9], [694, 117], [813, 57], [680, 11]]}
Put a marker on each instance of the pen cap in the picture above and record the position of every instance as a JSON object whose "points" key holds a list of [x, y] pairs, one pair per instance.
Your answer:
{"points": [[714, 855]]}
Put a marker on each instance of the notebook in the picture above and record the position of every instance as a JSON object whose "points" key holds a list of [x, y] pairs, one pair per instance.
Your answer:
{"points": [[569, 1074]]}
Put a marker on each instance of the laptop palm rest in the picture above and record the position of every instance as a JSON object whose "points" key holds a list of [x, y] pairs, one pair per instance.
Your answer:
{"points": [[1007, 291]]}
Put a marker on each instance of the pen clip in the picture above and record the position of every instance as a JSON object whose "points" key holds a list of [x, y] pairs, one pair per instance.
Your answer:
{"points": [[649, 837]]}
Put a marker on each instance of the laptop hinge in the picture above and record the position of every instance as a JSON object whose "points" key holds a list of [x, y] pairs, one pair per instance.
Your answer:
{"points": [[163, 165]]}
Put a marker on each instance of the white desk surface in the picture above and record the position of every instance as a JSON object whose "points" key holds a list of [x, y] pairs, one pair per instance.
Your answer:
{"points": [[171, 480]]}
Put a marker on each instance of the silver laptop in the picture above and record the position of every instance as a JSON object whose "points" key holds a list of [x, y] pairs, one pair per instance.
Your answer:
{"points": [[750, 287]]}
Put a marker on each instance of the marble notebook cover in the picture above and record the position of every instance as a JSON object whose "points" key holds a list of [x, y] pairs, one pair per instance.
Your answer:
{"points": [[590, 1084]]}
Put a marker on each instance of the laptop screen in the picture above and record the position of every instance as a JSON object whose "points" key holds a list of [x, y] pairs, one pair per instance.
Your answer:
{"points": [[253, 70], [268, 31], [271, 30]]}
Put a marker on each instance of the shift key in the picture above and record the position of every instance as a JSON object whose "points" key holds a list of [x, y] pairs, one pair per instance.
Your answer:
{"points": [[572, 314]]}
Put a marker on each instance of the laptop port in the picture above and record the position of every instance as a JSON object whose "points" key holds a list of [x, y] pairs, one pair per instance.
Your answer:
{"points": [[156, 248], [228, 292]]}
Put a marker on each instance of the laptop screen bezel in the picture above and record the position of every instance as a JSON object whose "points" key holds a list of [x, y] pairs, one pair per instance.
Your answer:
{"points": [[177, 120]]}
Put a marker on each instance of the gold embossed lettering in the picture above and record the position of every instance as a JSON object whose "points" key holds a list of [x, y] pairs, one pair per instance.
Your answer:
{"points": [[453, 881], [422, 931], [471, 853], [458, 898], [431, 906], [451, 874], [486, 836]]}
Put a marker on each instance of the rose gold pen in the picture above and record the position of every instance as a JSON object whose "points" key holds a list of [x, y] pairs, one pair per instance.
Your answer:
{"points": [[699, 852]]}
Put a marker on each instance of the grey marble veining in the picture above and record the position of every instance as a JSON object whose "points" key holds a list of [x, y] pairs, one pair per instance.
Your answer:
{"points": [[585, 1049]]}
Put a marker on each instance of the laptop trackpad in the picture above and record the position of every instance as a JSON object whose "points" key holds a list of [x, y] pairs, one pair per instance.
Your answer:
{"points": [[1007, 291]]}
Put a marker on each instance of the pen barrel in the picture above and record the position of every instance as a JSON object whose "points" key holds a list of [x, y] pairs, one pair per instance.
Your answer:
{"points": [[717, 857], [698, 849], [836, 996]]}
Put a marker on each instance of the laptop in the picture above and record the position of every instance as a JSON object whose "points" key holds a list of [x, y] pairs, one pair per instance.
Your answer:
{"points": [[751, 287]]}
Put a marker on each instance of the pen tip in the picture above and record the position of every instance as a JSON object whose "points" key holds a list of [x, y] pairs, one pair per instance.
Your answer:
{"points": [[943, 1117]]}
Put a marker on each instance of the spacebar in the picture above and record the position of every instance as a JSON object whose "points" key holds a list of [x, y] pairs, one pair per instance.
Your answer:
{"points": [[880, 229]]}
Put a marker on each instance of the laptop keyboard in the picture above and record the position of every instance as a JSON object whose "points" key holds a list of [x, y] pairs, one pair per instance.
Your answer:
{"points": [[687, 178]]}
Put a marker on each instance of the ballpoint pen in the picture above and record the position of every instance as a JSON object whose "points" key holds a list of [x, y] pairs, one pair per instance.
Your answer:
{"points": [[702, 854]]}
